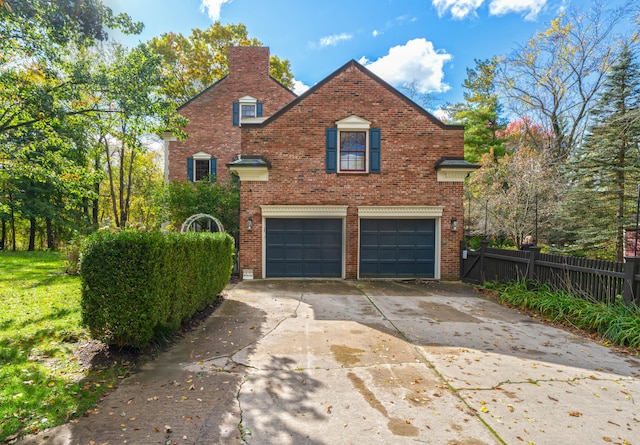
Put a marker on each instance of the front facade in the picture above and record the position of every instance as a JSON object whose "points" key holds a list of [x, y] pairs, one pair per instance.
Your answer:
{"points": [[350, 180]]}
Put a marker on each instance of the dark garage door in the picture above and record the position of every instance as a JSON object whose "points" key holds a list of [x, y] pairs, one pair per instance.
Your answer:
{"points": [[397, 248], [309, 248]]}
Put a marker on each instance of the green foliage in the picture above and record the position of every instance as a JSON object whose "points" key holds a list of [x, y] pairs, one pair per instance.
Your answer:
{"points": [[41, 384], [480, 113], [194, 63], [220, 199], [605, 170], [617, 321], [139, 285]]}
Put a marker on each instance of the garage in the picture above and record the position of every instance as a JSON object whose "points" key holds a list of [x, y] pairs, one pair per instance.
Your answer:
{"points": [[303, 248], [397, 248]]}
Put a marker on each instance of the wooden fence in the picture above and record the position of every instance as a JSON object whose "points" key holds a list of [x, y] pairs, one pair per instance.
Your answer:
{"points": [[595, 279]]}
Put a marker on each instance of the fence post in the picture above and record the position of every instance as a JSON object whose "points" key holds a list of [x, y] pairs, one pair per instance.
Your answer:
{"points": [[630, 284], [483, 250], [534, 252], [463, 248]]}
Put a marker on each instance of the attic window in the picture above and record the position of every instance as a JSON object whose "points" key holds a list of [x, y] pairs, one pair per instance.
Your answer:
{"points": [[246, 109]]}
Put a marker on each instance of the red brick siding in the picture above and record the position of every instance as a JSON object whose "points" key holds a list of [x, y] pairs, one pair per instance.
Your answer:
{"points": [[294, 143], [210, 126]]}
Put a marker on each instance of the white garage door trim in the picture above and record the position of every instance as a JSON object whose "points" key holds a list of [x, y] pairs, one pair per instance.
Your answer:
{"points": [[399, 212]]}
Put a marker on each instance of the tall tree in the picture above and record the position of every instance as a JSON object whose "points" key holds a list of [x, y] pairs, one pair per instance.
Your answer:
{"points": [[137, 109], [193, 63], [480, 113], [513, 196], [605, 170], [555, 76]]}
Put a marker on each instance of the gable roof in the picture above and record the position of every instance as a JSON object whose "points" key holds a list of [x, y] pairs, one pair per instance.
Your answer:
{"points": [[217, 82], [367, 72]]}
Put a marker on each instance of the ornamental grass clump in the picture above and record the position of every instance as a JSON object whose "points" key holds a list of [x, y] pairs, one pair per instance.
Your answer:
{"points": [[615, 320]]}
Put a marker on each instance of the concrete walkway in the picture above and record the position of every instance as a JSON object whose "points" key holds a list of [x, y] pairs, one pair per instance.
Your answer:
{"points": [[341, 362]]}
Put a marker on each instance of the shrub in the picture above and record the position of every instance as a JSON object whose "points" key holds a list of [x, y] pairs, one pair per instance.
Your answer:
{"points": [[138, 285]]}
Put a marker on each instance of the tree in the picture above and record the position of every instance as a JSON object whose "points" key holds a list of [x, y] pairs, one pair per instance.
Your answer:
{"points": [[555, 77], [480, 113], [137, 109], [193, 63], [605, 170], [42, 80], [512, 196]]}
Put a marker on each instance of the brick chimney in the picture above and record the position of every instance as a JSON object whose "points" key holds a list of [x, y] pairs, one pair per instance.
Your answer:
{"points": [[249, 60]]}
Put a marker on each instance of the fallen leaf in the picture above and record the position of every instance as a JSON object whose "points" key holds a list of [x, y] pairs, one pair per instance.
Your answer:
{"points": [[575, 414], [484, 409], [607, 439], [329, 409]]}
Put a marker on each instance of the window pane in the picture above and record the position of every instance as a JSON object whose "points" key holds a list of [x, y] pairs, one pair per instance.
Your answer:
{"points": [[202, 169], [353, 146], [248, 111]]}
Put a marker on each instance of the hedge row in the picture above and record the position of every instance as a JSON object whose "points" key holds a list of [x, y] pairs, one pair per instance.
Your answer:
{"points": [[138, 286]]}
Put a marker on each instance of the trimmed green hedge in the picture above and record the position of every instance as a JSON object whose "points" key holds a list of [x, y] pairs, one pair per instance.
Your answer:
{"points": [[138, 285]]}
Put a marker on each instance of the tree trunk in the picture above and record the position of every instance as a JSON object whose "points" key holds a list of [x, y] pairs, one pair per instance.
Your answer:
{"points": [[32, 234], [51, 238], [3, 237]]}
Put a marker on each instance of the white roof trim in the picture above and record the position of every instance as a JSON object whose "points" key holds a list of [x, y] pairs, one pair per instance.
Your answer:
{"points": [[250, 172], [353, 122], [400, 212], [284, 211], [246, 99], [201, 155], [453, 174]]}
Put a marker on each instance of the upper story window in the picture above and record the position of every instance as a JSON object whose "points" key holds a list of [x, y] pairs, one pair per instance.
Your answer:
{"points": [[353, 151], [353, 147], [201, 167], [247, 109]]}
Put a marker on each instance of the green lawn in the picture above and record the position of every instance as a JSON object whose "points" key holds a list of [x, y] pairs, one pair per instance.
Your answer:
{"points": [[42, 384]]}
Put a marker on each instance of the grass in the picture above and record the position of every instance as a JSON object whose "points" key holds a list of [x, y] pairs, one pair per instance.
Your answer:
{"points": [[616, 321], [42, 384]]}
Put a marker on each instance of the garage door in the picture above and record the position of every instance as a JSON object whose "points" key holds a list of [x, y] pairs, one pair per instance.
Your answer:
{"points": [[397, 248], [309, 248]]}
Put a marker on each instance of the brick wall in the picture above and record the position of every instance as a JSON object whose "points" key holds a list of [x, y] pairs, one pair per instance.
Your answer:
{"points": [[294, 142], [210, 126]]}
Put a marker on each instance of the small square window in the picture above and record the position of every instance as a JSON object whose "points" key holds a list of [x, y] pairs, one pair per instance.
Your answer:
{"points": [[353, 151], [248, 111]]}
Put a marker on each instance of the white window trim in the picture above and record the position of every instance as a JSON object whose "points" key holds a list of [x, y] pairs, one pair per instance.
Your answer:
{"points": [[407, 212], [248, 100], [353, 123], [201, 156]]}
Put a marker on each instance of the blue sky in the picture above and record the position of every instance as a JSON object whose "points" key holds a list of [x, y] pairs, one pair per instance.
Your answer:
{"points": [[427, 43]]}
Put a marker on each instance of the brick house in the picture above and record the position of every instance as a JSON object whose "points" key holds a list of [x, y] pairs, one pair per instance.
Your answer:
{"points": [[349, 180]]}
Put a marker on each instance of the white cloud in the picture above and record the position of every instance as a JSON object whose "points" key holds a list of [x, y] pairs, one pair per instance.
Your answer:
{"points": [[416, 64], [531, 8], [212, 7], [299, 87], [375, 33], [459, 9], [334, 39]]}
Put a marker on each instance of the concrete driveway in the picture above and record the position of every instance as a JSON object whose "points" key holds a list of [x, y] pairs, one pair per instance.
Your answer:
{"points": [[342, 362]]}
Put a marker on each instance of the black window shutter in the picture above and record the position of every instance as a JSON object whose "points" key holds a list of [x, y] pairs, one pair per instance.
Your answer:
{"points": [[332, 149], [374, 150], [236, 114], [190, 169]]}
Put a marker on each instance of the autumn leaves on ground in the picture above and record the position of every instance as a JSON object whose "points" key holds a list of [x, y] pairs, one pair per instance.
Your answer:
{"points": [[42, 381]]}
